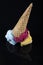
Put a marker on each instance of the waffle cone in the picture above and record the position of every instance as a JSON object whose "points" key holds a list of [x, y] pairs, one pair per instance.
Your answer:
{"points": [[21, 25]]}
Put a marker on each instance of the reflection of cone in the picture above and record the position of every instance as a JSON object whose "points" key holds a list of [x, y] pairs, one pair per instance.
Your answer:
{"points": [[22, 23]]}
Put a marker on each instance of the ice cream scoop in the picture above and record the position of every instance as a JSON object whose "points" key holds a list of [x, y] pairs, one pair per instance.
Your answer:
{"points": [[27, 41], [22, 37], [10, 37]]}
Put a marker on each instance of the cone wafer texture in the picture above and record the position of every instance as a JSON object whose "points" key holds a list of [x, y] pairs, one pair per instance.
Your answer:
{"points": [[21, 25]]}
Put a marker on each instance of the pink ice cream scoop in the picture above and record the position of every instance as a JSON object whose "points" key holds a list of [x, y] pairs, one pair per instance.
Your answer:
{"points": [[22, 36]]}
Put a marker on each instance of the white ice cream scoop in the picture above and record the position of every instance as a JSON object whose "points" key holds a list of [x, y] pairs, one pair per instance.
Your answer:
{"points": [[10, 37]]}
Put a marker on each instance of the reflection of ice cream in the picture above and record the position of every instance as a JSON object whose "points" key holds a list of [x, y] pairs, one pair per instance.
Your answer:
{"points": [[19, 32]]}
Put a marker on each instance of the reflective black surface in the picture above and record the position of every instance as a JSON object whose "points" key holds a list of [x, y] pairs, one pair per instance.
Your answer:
{"points": [[11, 12]]}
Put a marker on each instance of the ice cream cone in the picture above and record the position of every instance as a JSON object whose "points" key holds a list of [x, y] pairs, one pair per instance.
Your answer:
{"points": [[21, 25]]}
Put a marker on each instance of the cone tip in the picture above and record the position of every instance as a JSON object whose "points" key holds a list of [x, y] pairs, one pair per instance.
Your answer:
{"points": [[31, 4]]}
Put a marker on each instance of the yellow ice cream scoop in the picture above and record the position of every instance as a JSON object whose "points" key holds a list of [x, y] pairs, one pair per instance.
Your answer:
{"points": [[27, 41]]}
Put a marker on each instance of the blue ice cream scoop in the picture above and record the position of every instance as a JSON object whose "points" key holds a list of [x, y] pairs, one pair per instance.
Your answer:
{"points": [[10, 38]]}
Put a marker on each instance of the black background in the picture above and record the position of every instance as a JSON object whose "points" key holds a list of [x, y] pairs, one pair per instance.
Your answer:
{"points": [[9, 15]]}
